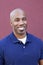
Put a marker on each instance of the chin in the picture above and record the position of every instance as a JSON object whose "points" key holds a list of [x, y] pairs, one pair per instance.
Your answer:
{"points": [[21, 33]]}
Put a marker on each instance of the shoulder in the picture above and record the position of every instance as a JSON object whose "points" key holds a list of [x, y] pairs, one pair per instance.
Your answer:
{"points": [[35, 39], [5, 40]]}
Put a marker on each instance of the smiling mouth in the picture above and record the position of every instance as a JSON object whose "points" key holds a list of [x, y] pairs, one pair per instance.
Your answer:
{"points": [[22, 28]]}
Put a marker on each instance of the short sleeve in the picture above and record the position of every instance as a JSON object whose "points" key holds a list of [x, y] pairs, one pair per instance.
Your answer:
{"points": [[1, 56], [41, 55]]}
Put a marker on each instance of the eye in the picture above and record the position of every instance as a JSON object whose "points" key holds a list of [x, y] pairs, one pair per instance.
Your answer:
{"points": [[24, 19], [17, 19]]}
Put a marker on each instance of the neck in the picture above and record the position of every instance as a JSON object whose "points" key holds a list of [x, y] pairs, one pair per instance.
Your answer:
{"points": [[20, 35]]}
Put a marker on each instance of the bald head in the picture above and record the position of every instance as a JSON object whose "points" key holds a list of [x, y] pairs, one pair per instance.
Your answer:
{"points": [[18, 22], [15, 13]]}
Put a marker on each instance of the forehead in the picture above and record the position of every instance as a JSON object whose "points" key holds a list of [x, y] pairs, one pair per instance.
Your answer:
{"points": [[17, 14]]}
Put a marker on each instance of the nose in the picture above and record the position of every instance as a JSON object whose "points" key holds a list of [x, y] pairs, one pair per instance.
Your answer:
{"points": [[21, 22]]}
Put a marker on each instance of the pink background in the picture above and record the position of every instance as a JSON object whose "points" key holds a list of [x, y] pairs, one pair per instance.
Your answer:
{"points": [[33, 9]]}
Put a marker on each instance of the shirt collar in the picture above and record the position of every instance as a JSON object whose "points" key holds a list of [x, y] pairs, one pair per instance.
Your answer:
{"points": [[15, 40], [29, 40]]}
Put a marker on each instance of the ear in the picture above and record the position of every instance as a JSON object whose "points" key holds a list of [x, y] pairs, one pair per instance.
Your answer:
{"points": [[10, 22]]}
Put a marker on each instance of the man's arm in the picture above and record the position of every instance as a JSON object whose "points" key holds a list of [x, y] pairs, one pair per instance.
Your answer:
{"points": [[41, 55], [41, 62], [1, 56]]}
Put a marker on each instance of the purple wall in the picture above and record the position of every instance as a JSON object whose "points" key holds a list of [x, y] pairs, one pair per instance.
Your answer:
{"points": [[33, 9]]}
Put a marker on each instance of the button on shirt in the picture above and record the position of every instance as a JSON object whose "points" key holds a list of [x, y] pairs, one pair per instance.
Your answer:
{"points": [[14, 52]]}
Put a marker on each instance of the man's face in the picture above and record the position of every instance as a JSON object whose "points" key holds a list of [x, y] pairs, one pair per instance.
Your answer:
{"points": [[19, 23]]}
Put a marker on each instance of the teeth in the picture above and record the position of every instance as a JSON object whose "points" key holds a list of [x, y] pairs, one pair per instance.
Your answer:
{"points": [[21, 28]]}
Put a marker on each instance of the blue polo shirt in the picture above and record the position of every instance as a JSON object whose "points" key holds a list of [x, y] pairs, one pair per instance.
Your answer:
{"points": [[14, 52]]}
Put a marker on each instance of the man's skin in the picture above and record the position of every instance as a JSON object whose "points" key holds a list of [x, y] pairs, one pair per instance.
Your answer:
{"points": [[19, 24]]}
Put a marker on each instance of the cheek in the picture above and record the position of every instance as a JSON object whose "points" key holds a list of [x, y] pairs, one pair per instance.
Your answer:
{"points": [[25, 22], [14, 24]]}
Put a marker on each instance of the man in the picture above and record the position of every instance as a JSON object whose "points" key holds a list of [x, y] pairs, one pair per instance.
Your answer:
{"points": [[20, 47]]}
